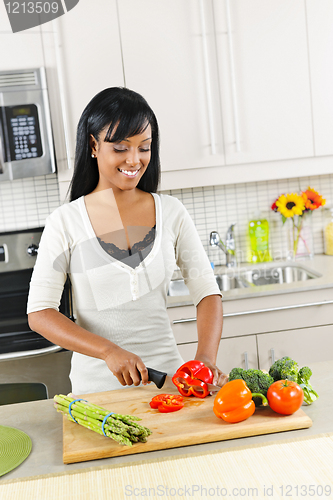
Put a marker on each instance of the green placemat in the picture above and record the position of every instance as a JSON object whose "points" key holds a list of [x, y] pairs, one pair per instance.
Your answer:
{"points": [[15, 447]]}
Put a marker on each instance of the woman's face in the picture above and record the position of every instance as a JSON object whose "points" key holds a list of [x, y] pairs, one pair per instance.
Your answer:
{"points": [[122, 164]]}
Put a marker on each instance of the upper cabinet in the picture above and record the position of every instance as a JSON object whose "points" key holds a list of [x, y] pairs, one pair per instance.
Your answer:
{"points": [[169, 56], [320, 30], [228, 79], [91, 56], [264, 79]]}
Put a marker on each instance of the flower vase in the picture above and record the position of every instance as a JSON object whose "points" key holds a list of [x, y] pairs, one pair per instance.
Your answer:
{"points": [[300, 238]]}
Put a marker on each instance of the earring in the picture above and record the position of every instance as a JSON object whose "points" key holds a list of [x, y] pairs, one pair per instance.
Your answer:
{"points": [[93, 155]]}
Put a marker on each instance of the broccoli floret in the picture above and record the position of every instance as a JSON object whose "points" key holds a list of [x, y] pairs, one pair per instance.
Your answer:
{"points": [[284, 368], [256, 380], [303, 379]]}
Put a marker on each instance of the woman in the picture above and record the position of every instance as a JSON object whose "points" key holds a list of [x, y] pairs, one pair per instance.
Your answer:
{"points": [[120, 242]]}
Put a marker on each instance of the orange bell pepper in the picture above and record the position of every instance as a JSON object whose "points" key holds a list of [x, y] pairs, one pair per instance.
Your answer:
{"points": [[233, 403]]}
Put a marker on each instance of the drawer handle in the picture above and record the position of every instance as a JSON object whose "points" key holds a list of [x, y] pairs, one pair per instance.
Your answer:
{"points": [[30, 354], [257, 311]]}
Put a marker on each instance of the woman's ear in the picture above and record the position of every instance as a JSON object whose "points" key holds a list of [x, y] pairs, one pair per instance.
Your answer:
{"points": [[93, 144]]}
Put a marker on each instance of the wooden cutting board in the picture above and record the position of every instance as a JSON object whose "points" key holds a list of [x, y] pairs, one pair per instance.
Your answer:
{"points": [[194, 424]]}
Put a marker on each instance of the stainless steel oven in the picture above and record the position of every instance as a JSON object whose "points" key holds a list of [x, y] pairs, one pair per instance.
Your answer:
{"points": [[26, 356], [26, 142]]}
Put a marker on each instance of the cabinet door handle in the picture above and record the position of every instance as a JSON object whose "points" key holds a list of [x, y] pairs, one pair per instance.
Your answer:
{"points": [[272, 356], [246, 361], [257, 311], [58, 44], [233, 76], [207, 78]]}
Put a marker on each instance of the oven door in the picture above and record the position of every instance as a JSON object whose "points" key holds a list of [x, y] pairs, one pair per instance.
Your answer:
{"points": [[17, 340]]}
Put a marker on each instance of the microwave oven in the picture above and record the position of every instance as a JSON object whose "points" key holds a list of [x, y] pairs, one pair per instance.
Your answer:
{"points": [[26, 141]]}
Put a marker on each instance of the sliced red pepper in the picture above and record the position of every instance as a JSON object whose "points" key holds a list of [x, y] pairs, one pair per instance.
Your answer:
{"points": [[166, 403], [188, 386], [191, 379]]}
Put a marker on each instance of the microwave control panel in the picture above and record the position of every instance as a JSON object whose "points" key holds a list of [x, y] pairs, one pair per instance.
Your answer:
{"points": [[24, 137]]}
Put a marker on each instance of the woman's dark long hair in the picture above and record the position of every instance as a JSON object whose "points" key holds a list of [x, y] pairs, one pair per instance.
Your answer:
{"points": [[132, 114]]}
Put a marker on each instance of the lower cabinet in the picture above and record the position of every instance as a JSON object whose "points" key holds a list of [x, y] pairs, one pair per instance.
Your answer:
{"points": [[240, 352], [305, 345], [260, 330]]}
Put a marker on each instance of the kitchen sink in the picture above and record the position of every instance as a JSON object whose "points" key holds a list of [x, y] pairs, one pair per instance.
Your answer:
{"points": [[225, 282], [274, 275], [251, 277]]}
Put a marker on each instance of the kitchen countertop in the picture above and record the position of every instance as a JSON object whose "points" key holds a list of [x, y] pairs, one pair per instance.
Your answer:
{"points": [[43, 424], [321, 265]]}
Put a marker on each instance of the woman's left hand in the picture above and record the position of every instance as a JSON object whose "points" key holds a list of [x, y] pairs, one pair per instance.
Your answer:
{"points": [[220, 378]]}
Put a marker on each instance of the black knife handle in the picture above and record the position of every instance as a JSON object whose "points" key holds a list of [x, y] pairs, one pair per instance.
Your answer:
{"points": [[157, 377]]}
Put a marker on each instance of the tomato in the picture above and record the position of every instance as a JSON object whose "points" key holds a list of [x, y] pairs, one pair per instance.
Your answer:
{"points": [[285, 397], [167, 403]]}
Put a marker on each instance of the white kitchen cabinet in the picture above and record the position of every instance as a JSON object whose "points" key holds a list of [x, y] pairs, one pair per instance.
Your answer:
{"points": [[236, 352], [182, 63], [91, 56], [305, 345], [298, 325], [169, 57], [268, 66], [21, 50], [320, 33]]}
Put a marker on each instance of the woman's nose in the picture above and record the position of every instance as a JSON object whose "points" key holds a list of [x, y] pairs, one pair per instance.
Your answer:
{"points": [[133, 157]]}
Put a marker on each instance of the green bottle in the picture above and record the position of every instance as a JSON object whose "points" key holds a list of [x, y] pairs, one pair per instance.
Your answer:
{"points": [[258, 250]]}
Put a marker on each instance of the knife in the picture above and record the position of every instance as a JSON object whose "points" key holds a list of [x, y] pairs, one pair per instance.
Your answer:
{"points": [[161, 379]]}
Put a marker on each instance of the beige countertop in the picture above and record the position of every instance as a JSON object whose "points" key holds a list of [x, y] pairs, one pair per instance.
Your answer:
{"points": [[321, 265], [44, 425]]}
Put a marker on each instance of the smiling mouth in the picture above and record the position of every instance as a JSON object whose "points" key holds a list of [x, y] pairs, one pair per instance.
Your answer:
{"points": [[129, 173]]}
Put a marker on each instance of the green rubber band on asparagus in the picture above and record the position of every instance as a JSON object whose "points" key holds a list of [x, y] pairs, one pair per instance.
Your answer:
{"points": [[104, 421], [70, 406]]}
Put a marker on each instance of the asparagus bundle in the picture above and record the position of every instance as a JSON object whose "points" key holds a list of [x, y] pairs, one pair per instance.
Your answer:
{"points": [[121, 428]]}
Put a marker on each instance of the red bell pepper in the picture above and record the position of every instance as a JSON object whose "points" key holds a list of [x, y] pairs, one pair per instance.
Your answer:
{"points": [[166, 403], [191, 379]]}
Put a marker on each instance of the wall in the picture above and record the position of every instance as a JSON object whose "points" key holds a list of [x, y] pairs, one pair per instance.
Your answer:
{"points": [[215, 208], [25, 203]]}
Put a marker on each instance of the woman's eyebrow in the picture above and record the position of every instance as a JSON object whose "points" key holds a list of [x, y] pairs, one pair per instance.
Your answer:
{"points": [[144, 140]]}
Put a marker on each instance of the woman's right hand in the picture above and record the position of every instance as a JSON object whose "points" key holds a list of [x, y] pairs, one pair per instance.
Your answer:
{"points": [[126, 366]]}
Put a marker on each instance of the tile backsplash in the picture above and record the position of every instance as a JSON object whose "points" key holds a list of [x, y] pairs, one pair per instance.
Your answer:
{"points": [[214, 208], [26, 203]]}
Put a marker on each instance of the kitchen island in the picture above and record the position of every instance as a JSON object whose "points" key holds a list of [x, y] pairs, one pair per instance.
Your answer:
{"points": [[44, 425]]}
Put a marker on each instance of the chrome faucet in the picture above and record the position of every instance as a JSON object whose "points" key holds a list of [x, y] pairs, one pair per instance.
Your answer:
{"points": [[229, 247]]}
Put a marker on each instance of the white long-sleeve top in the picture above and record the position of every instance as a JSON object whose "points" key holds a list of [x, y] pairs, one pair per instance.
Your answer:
{"points": [[111, 299]]}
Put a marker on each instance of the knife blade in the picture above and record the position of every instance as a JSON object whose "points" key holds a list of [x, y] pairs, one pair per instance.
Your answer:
{"points": [[161, 379]]}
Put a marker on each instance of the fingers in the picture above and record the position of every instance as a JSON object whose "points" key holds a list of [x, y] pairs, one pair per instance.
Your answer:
{"points": [[222, 380], [128, 368], [143, 373]]}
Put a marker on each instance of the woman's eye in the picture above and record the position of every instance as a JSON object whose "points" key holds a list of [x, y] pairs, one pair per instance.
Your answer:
{"points": [[119, 149], [145, 150]]}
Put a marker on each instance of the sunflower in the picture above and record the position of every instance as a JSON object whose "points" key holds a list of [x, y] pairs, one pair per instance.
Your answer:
{"points": [[290, 204], [312, 199]]}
